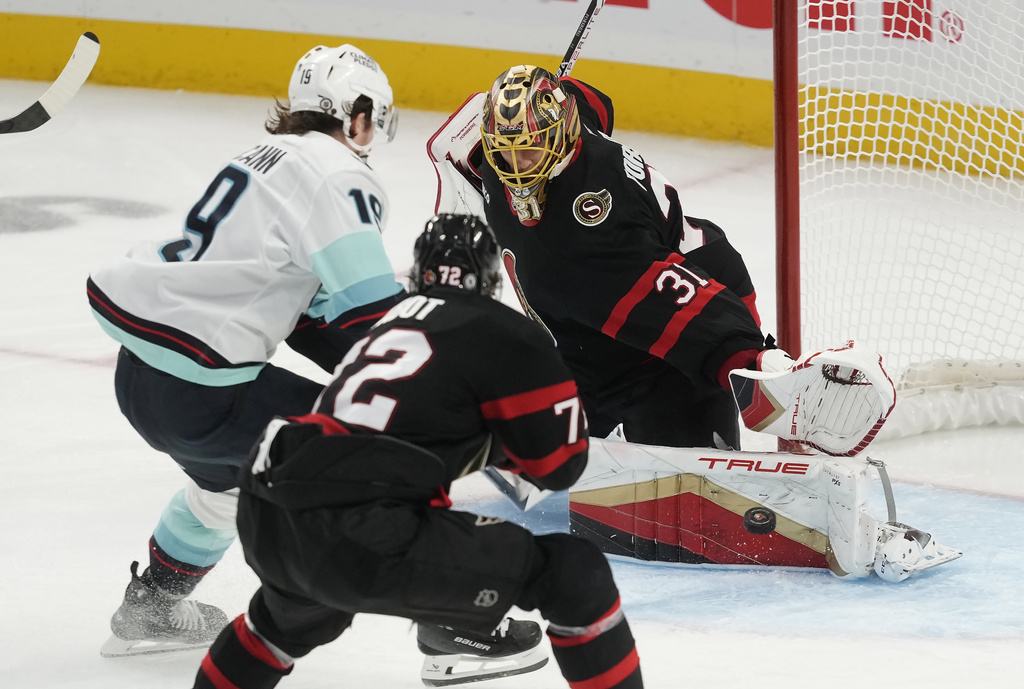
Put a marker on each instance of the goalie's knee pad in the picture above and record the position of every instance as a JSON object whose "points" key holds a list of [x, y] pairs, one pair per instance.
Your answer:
{"points": [[574, 585]]}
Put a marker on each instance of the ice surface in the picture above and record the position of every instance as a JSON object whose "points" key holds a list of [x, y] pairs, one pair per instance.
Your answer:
{"points": [[80, 492]]}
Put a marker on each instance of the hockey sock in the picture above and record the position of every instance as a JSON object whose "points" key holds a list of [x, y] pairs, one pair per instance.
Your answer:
{"points": [[239, 659], [171, 575], [599, 656]]}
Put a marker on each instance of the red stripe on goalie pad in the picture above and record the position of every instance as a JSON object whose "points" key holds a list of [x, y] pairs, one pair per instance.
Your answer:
{"points": [[703, 527]]}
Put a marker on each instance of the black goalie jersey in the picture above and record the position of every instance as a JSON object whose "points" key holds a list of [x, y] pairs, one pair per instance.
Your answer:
{"points": [[468, 379], [621, 279]]}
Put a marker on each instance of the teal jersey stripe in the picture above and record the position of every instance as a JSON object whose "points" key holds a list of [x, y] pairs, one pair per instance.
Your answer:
{"points": [[183, 536], [176, 364], [355, 271], [359, 294]]}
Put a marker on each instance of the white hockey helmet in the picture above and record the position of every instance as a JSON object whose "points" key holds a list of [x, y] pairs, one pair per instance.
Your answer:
{"points": [[329, 80]]}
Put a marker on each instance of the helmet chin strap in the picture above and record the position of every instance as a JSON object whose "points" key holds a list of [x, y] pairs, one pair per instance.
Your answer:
{"points": [[363, 151]]}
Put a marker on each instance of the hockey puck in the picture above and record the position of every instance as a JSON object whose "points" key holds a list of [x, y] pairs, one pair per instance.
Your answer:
{"points": [[759, 520]]}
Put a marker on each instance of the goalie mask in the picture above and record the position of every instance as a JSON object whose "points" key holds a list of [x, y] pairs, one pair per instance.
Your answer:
{"points": [[456, 251], [529, 126], [329, 80]]}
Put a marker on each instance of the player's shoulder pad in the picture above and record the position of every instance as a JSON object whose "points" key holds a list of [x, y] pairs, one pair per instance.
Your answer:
{"points": [[596, 109]]}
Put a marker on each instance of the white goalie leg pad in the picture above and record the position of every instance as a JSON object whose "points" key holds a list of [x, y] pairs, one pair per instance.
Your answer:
{"points": [[852, 532], [835, 400], [904, 551], [449, 149]]}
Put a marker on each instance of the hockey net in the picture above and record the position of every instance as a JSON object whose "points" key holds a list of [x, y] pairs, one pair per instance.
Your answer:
{"points": [[909, 184]]}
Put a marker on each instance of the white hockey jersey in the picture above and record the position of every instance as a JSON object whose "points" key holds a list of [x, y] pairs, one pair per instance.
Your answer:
{"points": [[290, 226]]}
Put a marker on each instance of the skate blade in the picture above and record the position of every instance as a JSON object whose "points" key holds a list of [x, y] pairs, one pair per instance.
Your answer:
{"points": [[116, 647], [443, 671]]}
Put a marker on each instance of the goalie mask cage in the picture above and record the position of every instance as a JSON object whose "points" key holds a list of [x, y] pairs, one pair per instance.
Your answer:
{"points": [[900, 196]]}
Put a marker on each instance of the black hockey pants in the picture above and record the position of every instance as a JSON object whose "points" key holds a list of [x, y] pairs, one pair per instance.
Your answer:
{"points": [[442, 567], [208, 431], [322, 558]]}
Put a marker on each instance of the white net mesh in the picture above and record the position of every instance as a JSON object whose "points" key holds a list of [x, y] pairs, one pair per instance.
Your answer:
{"points": [[912, 177]]}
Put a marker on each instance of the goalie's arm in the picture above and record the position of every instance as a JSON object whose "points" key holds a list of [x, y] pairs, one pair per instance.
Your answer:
{"points": [[722, 262]]}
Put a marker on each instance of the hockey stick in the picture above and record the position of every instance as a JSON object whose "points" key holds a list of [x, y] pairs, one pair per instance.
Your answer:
{"points": [[75, 72], [576, 45], [520, 492], [520, 495]]}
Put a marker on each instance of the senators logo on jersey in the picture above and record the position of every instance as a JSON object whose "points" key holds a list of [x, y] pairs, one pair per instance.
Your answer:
{"points": [[592, 208]]}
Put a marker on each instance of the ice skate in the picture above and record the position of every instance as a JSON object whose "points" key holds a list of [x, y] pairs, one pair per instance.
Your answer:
{"points": [[153, 621], [457, 657], [904, 551]]}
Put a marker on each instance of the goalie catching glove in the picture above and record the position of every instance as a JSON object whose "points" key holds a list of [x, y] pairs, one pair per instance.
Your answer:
{"points": [[835, 400]]}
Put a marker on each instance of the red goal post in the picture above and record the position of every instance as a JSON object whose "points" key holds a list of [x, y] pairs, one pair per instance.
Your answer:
{"points": [[900, 196]]}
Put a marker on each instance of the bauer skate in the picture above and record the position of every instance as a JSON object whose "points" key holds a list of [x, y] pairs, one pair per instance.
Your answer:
{"points": [[457, 657], [835, 400], [153, 621]]}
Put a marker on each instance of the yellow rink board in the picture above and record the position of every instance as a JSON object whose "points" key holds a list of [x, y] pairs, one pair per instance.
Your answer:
{"points": [[885, 128], [424, 76]]}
